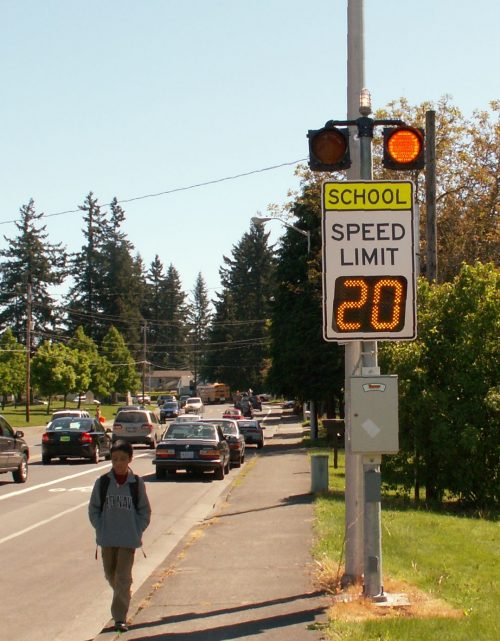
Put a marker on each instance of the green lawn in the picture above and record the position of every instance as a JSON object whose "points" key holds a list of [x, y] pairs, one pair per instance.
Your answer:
{"points": [[447, 555]]}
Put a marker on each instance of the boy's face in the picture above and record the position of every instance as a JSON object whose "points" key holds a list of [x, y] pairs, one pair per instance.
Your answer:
{"points": [[120, 461]]}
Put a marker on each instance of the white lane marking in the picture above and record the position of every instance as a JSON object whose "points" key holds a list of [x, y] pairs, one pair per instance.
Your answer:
{"points": [[40, 523], [59, 480]]}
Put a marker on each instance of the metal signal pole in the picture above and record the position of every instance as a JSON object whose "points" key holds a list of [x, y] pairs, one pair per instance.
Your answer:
{"points": [[353, 462]]}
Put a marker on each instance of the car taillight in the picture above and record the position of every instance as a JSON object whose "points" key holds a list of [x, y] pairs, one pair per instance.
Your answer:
{"points": [[164, 453], [86, 437], [45, 438], [234, 445], [210, 454], [117, 427], [147, 427]]}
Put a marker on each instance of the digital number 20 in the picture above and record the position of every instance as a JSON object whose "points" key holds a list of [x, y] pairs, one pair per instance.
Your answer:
{"points": [[369, 303]]}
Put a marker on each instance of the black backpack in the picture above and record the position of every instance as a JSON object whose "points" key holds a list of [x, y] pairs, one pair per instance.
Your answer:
{"points": [[133, 488]]}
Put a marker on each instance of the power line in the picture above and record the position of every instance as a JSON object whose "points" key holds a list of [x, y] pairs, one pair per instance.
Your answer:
{"points": [[171, 191]]}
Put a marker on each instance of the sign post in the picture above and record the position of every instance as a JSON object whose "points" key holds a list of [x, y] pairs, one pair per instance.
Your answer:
{"points": [[369, 288]]}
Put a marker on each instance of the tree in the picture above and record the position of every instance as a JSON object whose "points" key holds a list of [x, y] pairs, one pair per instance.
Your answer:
{"points": [[239, 336], [122, 285], [52, 370], [117, 353], [199, 319], [86, 296], [468, 170], [12, 366], [449, 409], [303, 366], [32, 262]]}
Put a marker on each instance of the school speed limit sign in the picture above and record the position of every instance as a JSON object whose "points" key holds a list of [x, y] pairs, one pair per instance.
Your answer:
{"points": [[369, 288]]}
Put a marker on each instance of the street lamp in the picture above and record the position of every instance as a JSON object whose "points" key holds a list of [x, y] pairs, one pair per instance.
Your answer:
{"points": [[261, 220]]}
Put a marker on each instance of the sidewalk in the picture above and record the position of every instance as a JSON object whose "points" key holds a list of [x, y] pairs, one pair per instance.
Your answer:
{"points": [[247, 572]]}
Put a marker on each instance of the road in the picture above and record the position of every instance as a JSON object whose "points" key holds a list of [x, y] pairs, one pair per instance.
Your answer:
{"points": [[53, 587]]}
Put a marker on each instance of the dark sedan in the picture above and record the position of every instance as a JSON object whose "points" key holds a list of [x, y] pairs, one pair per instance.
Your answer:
{"points": [[194, 447], [234, 437], [14, 452], [252, 432], [76, 438]]}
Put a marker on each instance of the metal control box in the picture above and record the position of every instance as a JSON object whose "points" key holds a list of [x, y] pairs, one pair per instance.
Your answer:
{"points": [[374, 414]]}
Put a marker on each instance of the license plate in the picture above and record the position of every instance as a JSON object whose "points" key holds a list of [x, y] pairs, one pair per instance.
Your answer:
{"points": [[187, 454], [130, 429], [64, 439]]}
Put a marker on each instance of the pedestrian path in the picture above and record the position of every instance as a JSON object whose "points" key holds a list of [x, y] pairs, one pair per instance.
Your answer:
{"points": [[247, 573]]}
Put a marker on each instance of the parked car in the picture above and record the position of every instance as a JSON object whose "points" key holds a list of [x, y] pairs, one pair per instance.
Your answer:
{"points": [[14, 452], [234, 437], [234, 414], [194, 447], [169, 409], [137, 426], [75, 437], [194, 404], [252, 432]]}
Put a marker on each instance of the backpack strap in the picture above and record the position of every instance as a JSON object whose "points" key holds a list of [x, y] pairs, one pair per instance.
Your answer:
{"points": [[133, 489], [103, 488]]}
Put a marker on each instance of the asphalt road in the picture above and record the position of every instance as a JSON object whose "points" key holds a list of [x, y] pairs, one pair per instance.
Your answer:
{"points": [[53, 587]]}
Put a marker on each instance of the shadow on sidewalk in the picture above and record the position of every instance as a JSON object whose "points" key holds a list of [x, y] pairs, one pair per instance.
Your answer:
{"points": [[233, 630]]}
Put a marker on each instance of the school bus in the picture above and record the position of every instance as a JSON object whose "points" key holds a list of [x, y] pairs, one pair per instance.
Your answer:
{"points": [[214, 393]]}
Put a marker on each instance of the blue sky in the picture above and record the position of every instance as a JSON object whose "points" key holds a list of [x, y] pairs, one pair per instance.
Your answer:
{"points": [[127, 98]]}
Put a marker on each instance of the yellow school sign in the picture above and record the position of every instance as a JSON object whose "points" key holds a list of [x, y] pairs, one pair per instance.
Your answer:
{"points": [[367, 196]]}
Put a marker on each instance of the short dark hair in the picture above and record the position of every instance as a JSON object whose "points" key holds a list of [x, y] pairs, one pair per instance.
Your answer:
{"points": [[122, 446]]}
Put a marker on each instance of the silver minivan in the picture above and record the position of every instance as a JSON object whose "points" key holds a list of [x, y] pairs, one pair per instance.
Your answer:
{"points": [[137, 426]]}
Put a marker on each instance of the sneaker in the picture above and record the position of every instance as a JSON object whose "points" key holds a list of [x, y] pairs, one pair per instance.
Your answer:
{"points": [[121, 626]]}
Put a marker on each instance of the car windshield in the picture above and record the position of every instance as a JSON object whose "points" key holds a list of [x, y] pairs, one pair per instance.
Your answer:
{"points": [[190, 431], [77, 424], [131, 417], [229, 429], [170, 406], [193, 401], [248, 424]]}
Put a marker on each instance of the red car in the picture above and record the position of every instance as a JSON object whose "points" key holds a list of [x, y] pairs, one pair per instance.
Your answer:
{"points": [[235, 414]]}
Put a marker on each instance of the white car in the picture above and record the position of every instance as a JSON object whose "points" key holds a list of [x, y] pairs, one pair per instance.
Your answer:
{"points": [[187, 418], [194, 405]]}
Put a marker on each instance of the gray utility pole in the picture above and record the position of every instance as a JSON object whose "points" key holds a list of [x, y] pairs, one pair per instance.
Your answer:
{"points": [[430, 195], [353, 350]]}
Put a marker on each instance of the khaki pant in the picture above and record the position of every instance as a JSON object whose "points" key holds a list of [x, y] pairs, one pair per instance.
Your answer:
{"points": [[118, 564]]}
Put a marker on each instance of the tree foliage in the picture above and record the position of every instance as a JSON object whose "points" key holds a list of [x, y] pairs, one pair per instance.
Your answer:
{"points": [[12, 366], [31, 261], [449, 390]]}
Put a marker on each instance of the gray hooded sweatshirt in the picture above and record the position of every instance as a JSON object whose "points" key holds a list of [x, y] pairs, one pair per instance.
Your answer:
{"points": [[119, 524]]}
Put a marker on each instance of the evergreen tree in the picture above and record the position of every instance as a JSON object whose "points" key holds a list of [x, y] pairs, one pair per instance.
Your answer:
{"points": [[86, 296], [199, 319], [239, 336], [304, 366], [31, 262], [121, 281]]}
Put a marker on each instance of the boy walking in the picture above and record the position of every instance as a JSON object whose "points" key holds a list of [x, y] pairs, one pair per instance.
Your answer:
{"points": [[119, 510]]}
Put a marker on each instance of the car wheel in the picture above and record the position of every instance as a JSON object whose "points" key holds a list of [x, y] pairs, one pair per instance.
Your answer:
{"points": [[160, 473], [46, 459], [260, 445], [219, 473], [152, 445], [21, 474], [227, 467], [242, 460], [97, 455]]}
